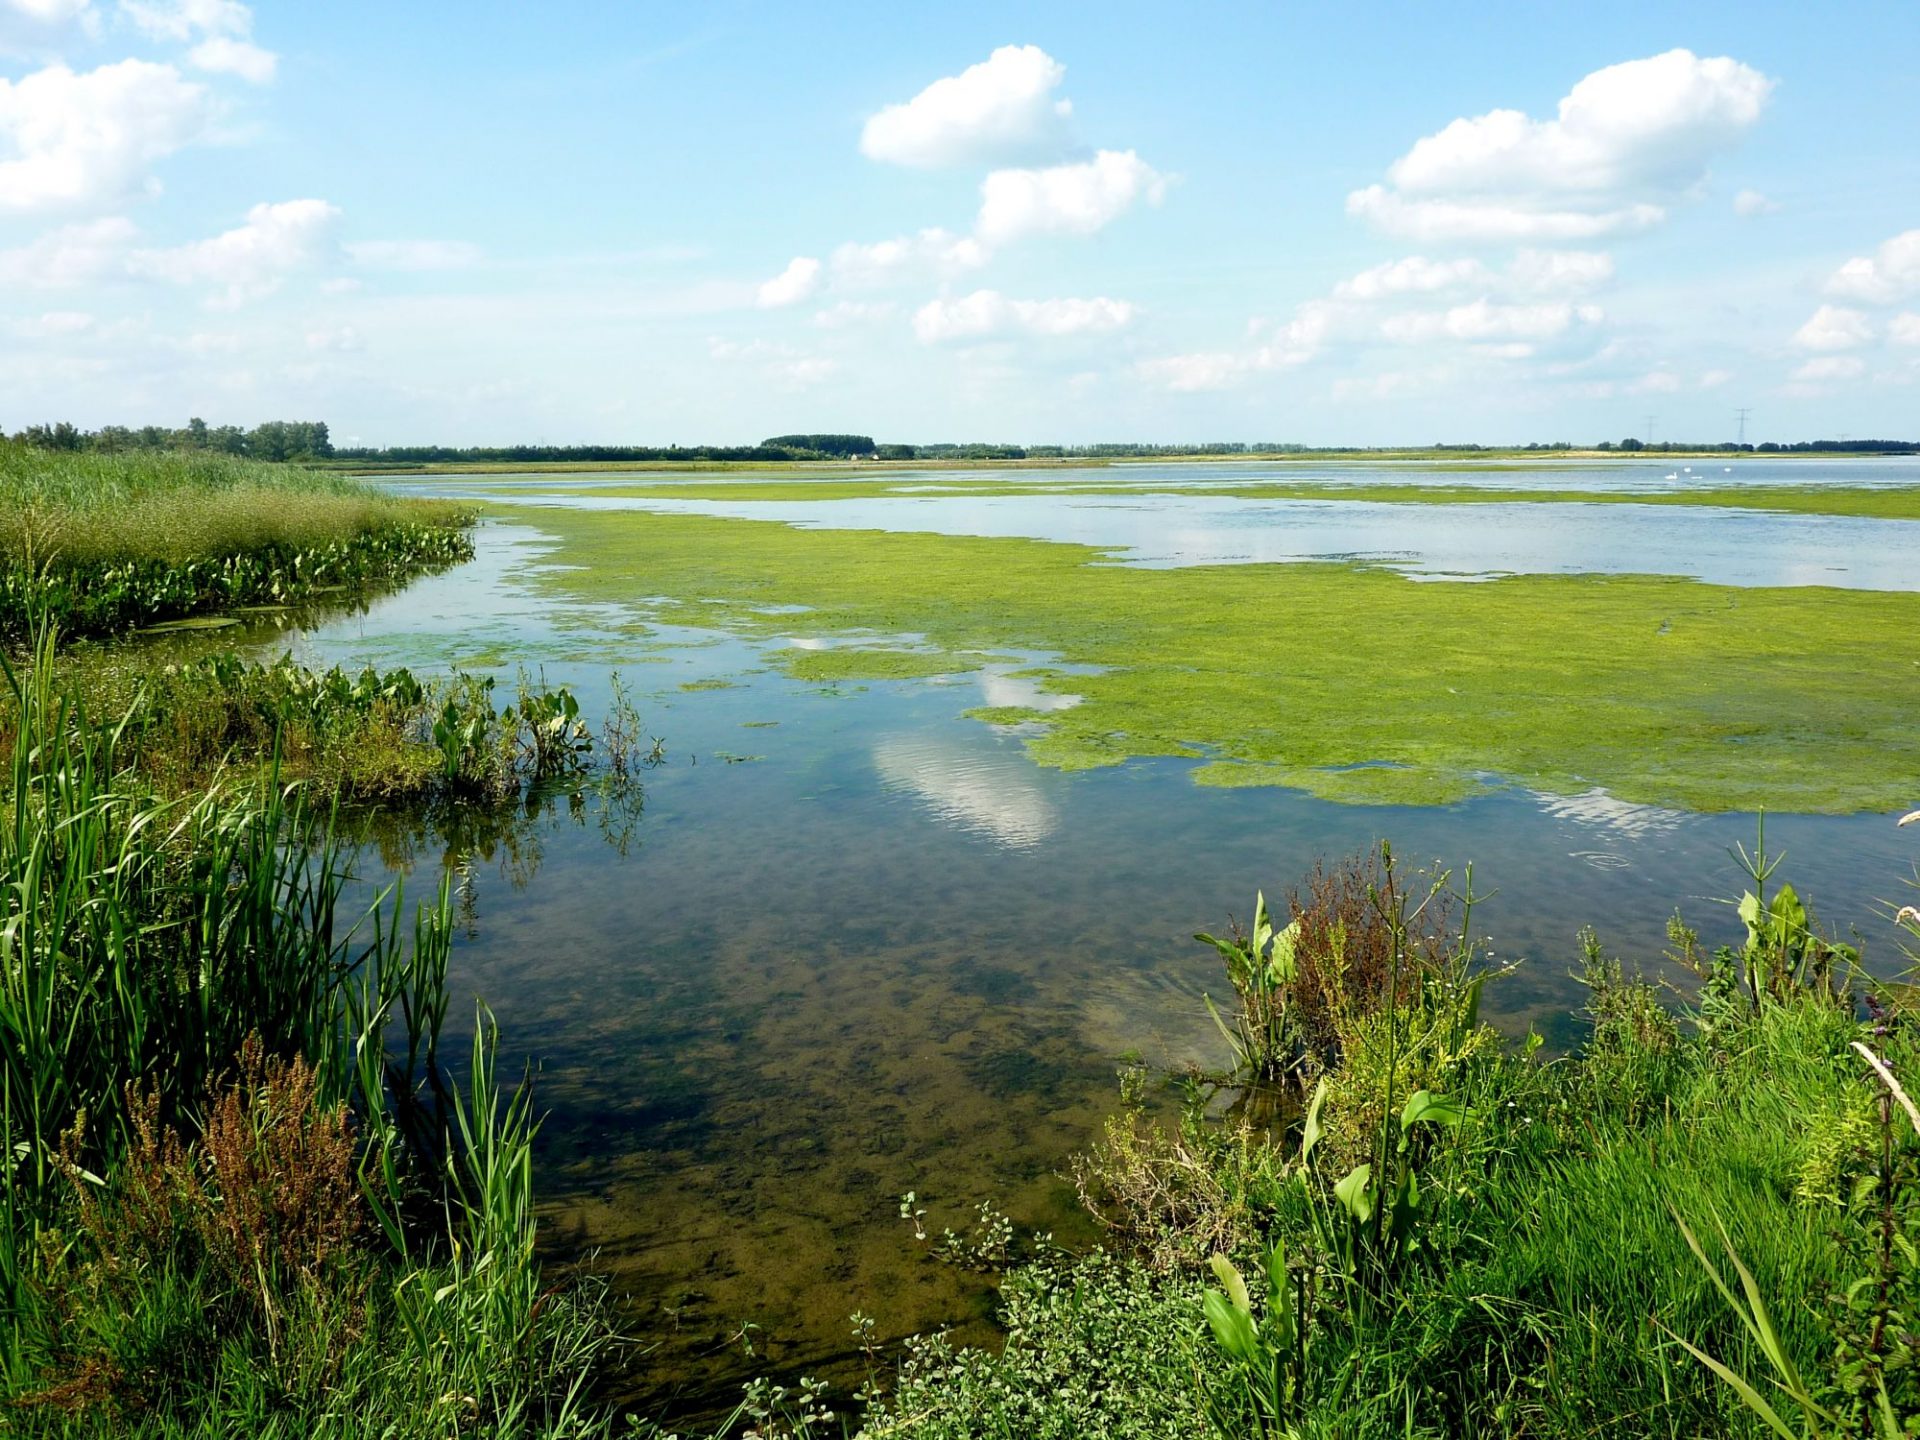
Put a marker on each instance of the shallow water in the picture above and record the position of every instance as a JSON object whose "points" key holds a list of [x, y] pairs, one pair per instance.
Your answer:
{"points": [[855, 945], [1620, 475], [1721, 545]]}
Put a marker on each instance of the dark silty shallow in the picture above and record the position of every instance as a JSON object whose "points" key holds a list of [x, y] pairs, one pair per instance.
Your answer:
{"points": [[854, 944]]}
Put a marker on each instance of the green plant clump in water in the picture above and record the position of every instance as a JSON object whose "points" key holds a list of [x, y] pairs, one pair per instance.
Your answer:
{"points": [[1348, 682], [107, 542], [869, 663], [380, 737]]}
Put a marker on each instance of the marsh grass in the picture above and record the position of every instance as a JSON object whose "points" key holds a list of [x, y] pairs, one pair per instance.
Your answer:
{"points": [[241, 1191], [1547, 1276], [102, 542], [371, 739]]}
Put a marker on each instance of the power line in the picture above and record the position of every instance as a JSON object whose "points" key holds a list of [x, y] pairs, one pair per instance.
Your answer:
{"points": [[1743, 411], [1650, 420]]}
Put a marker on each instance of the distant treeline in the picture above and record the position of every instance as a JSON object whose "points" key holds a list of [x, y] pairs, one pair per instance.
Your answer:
{"points": [[273, 440], [561, 454], [1768, 447], [301, 440]]}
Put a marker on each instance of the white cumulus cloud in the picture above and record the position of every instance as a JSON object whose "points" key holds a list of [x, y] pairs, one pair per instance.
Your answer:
{"points": [[1414, 274], [1073, 199], [79, 139], [938, 251], [792, 285], [31, 27], [220, 32], [1626, 140], [1284, 346], [987, 312], [1904, 329], [1834, 327], [1487, 320], [250, 260], [223, 55], [70, 255], [47, 12], [1749, 203], [997, 111], [1560, 272], [1891, 273]]}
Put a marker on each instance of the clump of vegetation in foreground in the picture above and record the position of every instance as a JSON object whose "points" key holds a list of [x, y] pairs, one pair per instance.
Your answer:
{"points": [[102, 542], [1385, 1222], [241, 1193], [384, 738]]}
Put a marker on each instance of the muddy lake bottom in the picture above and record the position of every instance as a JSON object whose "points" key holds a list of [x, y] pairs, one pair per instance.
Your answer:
{"points": [[848, 943]]}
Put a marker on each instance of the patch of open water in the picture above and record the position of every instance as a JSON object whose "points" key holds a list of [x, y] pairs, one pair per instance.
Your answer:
{"points": [[1723, 545]]}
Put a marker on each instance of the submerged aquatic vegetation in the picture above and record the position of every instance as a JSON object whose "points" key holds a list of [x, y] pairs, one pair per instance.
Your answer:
{"points": [[1351, 683]]}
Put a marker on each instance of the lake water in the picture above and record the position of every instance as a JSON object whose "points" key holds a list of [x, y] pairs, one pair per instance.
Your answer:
{"points": [[852, 944], [1172, 520]]}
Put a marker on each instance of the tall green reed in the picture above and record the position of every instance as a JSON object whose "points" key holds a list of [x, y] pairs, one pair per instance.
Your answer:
{"points": [[145, 941]]}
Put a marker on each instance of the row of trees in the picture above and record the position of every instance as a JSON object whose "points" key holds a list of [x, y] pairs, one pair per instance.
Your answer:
{"points": [[842, 445], [305, 440], [272, 440], [562, 454], [1769, 447]]}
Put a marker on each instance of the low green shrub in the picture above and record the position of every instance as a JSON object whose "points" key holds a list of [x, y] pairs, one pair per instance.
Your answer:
{"points": [[1502, 1244]]}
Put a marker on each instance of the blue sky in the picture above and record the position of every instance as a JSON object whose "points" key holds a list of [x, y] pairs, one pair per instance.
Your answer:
{"points": [[1397, 223]]}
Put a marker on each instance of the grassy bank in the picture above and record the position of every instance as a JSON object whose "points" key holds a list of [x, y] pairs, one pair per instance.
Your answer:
{"points": [[1381, 1221], [106, 542], [244, 1192], [1353, 684]]}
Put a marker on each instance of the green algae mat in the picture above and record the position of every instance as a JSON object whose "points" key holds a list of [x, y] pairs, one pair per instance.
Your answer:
{"points": [[1352, 683]]}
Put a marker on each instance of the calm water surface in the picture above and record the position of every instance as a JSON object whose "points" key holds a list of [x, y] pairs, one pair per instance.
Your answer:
{"points": [[1161, 527], [853, 945]]}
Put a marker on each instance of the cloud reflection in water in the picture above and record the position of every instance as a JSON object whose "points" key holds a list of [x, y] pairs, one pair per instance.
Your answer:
{"points": [[982, 789]]}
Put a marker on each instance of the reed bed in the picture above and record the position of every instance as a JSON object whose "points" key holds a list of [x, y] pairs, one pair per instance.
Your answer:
{"points": [[240, 1193], [102, 542]]}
